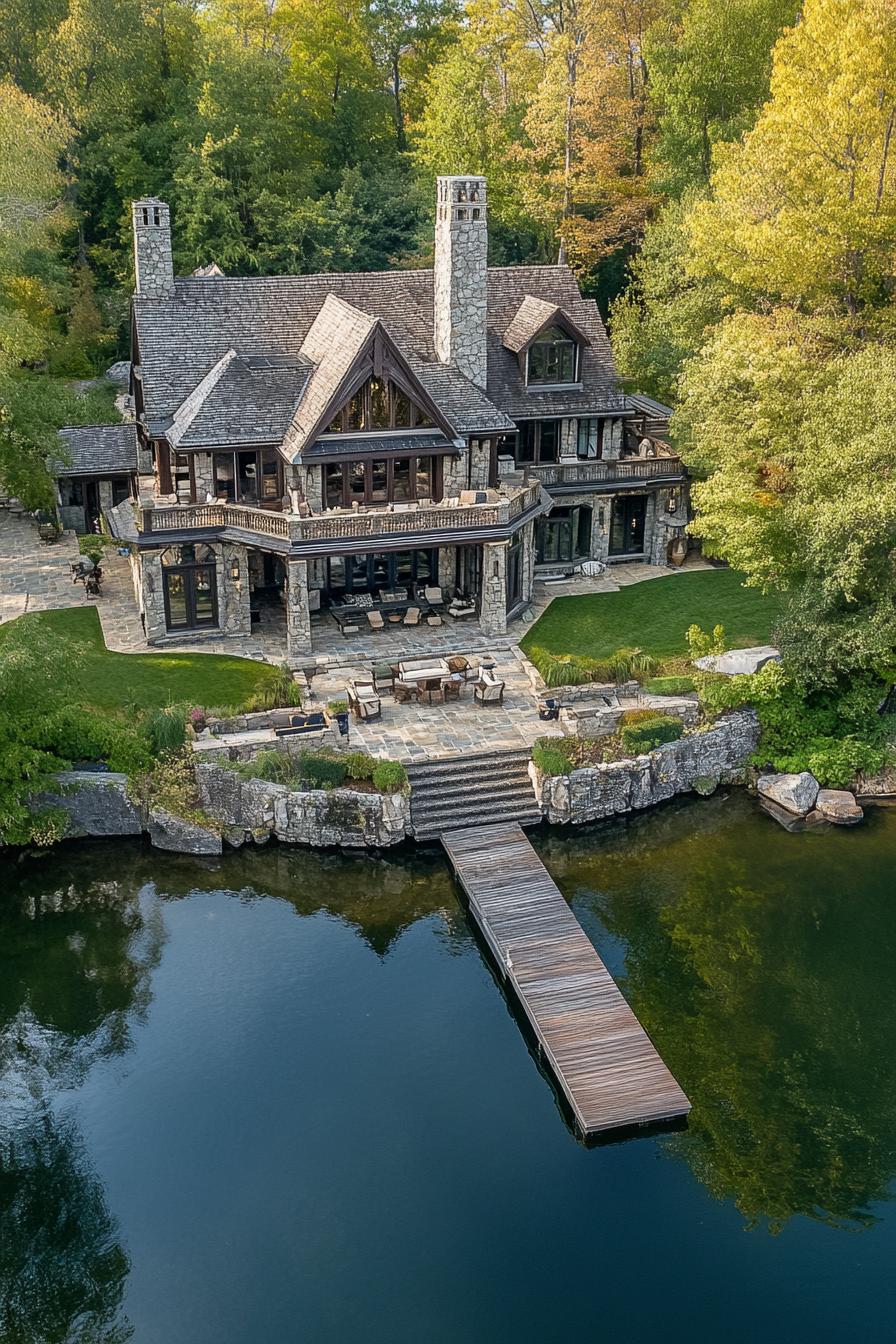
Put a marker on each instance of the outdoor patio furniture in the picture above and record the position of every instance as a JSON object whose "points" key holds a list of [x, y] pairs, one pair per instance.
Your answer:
{"points": [[431, 691], [405, 693], [384, 675], [433, 620], [488, 690], [363, 700], [301, 723], [548, 709], [434, 597], [389, 595], [375, 620], [421, 669], [451, 687], [461, 607], [459, 664], [412, 616]]}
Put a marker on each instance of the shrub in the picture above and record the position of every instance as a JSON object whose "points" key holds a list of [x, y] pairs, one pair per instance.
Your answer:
{"points": [[669, 685], [274, 766], [359, 765], [390, 777], [338, 707], [279, 693], [649, 733], [573, 670], [93, 546], [77, 734], [554, 755], [166, 729], [321, 772]]}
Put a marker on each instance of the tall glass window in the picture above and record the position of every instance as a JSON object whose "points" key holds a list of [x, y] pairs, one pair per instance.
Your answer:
{"points": [[589, 439], [552, 358]]}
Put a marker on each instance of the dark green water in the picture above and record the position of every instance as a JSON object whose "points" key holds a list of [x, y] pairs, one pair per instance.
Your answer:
{"points": [[279, 1097]]}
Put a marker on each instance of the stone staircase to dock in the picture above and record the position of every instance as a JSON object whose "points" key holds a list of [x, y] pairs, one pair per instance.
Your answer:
{"points": [[479, 789]]}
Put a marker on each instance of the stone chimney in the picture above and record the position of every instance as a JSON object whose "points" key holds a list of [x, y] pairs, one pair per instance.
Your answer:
{"points": [[459, 278], [152, 249]]}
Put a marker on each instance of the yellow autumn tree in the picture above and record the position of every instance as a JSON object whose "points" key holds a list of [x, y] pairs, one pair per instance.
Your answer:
{"points": [[803, 210]]}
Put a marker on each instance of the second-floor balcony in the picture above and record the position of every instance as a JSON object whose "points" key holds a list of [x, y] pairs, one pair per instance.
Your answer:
{"points": [[602, 474], [469, 516]]}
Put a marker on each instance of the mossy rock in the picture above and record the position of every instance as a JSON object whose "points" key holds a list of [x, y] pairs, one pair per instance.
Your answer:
{"points": [[705, 785]]}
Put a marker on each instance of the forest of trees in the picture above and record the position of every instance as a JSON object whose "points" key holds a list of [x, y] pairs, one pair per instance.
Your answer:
{"points": [[720, 177]]}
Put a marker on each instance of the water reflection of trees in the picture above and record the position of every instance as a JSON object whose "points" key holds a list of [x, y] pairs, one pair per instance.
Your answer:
{"points": [[78, 951], [761, 965], [62, 1268]]}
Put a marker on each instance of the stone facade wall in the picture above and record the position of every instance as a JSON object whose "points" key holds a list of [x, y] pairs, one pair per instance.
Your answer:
{"points": [[454, 475], [298, 610], [717, 755], [479, 458], [234, 595], [152, 249], [459, 276], [252, 809], [152, 595]]}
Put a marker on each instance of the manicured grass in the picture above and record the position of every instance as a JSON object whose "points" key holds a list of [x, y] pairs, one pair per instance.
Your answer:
{"points": [[107, 680], [655, 615]]}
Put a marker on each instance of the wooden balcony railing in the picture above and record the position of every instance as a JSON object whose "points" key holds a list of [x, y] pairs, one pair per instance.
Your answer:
{"points": [[601, 472], [336, 524]]}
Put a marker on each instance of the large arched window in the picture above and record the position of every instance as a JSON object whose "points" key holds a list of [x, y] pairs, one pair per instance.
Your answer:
{"points": [[552, 358], [189, 582]]}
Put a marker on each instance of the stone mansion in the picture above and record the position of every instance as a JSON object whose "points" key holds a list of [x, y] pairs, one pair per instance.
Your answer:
{"points": [[315, 445]]}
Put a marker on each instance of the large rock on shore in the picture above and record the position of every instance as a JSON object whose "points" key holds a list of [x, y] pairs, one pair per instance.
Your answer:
{"points": [[839, 806], [796, 793], [166, 831]]}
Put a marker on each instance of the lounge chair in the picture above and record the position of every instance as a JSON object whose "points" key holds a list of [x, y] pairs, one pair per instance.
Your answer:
{"points": [[434, 597], [363, 700], [488, 690], [412, 616], [434, 619], [375, 620]]}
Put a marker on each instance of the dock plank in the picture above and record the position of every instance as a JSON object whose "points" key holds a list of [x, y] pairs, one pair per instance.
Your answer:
{"points": [[602, 1058]]}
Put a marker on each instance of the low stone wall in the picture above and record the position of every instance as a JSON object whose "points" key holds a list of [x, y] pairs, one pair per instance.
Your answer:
{"points": [[253, 809], [717, 755], [96, 804]]}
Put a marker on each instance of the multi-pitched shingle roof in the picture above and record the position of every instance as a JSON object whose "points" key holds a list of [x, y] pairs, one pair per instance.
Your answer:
{"points": [[244, 399], [97, 450], [181, 340]]}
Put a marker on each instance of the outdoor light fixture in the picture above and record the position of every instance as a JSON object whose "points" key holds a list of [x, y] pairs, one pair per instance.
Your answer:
{"points": [[234, 570], [672, 502]]}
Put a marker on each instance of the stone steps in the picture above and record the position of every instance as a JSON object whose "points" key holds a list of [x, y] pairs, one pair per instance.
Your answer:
{"points": [[472, 790]]}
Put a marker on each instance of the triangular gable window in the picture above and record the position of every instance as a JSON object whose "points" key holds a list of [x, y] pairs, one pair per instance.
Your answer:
{"points": [[379, 404]]}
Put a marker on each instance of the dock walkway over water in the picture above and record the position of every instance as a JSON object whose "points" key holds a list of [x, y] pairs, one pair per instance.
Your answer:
{"points": [[602, 1058]]}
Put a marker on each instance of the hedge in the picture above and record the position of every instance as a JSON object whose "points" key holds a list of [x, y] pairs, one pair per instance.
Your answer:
{"points": [[649, 733]]}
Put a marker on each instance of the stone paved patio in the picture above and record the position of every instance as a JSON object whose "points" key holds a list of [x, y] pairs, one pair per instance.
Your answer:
{"points": [[413, 732], [35, 575]]}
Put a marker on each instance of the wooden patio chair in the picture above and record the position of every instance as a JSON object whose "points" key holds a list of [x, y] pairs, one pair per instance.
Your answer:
{"points": [[412, 616]]}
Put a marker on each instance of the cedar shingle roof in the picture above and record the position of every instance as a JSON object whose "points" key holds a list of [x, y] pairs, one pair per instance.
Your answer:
{"points": [[97, 450], [182, 339], [252, 400], [335, 338], [532, 317]]}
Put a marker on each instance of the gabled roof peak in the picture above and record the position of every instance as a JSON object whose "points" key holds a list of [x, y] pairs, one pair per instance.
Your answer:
{"points": [[534, 316]]}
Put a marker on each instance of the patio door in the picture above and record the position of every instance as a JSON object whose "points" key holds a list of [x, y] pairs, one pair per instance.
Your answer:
{"points": [[627, 526], [190, 597], [514, 574]]}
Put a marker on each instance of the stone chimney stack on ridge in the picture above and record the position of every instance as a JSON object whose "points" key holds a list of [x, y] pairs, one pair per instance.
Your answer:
{"points": [[459, 276], [152, 249]]}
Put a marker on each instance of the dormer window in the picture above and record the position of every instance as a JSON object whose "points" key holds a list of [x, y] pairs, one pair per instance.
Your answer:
{"points": [[552, 358]]}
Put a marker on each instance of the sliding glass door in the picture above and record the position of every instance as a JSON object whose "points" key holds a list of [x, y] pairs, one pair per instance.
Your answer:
{"points": [[627, 526]]}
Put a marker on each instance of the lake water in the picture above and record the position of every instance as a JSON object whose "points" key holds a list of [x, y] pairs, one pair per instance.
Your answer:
{"points": [[280, 1096]]}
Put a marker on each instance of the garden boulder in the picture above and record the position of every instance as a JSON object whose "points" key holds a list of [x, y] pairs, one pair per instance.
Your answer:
{"points": [[739, 662], [796, 793], [166, 831], [839, 806]]}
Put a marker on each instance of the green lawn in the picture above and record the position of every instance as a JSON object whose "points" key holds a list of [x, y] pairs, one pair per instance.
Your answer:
{"points": [[109, 680], [655, 615]]}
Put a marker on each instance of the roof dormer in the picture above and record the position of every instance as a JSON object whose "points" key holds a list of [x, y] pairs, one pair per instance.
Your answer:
{"points": [[547, 343]]}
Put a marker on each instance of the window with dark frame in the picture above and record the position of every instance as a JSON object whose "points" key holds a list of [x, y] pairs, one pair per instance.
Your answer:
{"points": [[552, 358], [590, 439], [249, 476], [379, 404], [537, 441], [399, 480]]}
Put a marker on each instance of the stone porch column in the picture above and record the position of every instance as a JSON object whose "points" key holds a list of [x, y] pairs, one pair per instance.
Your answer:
{"points": [[152, 597], [234, 593], [105, 493], [298, 614], [600, 532], [447, 567], [493, 601]]}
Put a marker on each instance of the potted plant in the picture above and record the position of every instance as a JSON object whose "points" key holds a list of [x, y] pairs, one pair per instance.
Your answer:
{"points": [[338, 710]]}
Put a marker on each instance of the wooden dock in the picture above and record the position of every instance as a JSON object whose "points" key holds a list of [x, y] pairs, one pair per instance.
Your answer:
{"points": [[602, 1058]]}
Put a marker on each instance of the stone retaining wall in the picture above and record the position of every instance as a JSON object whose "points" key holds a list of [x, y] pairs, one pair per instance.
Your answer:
{"points": [[717, 755], [253, 809]]}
